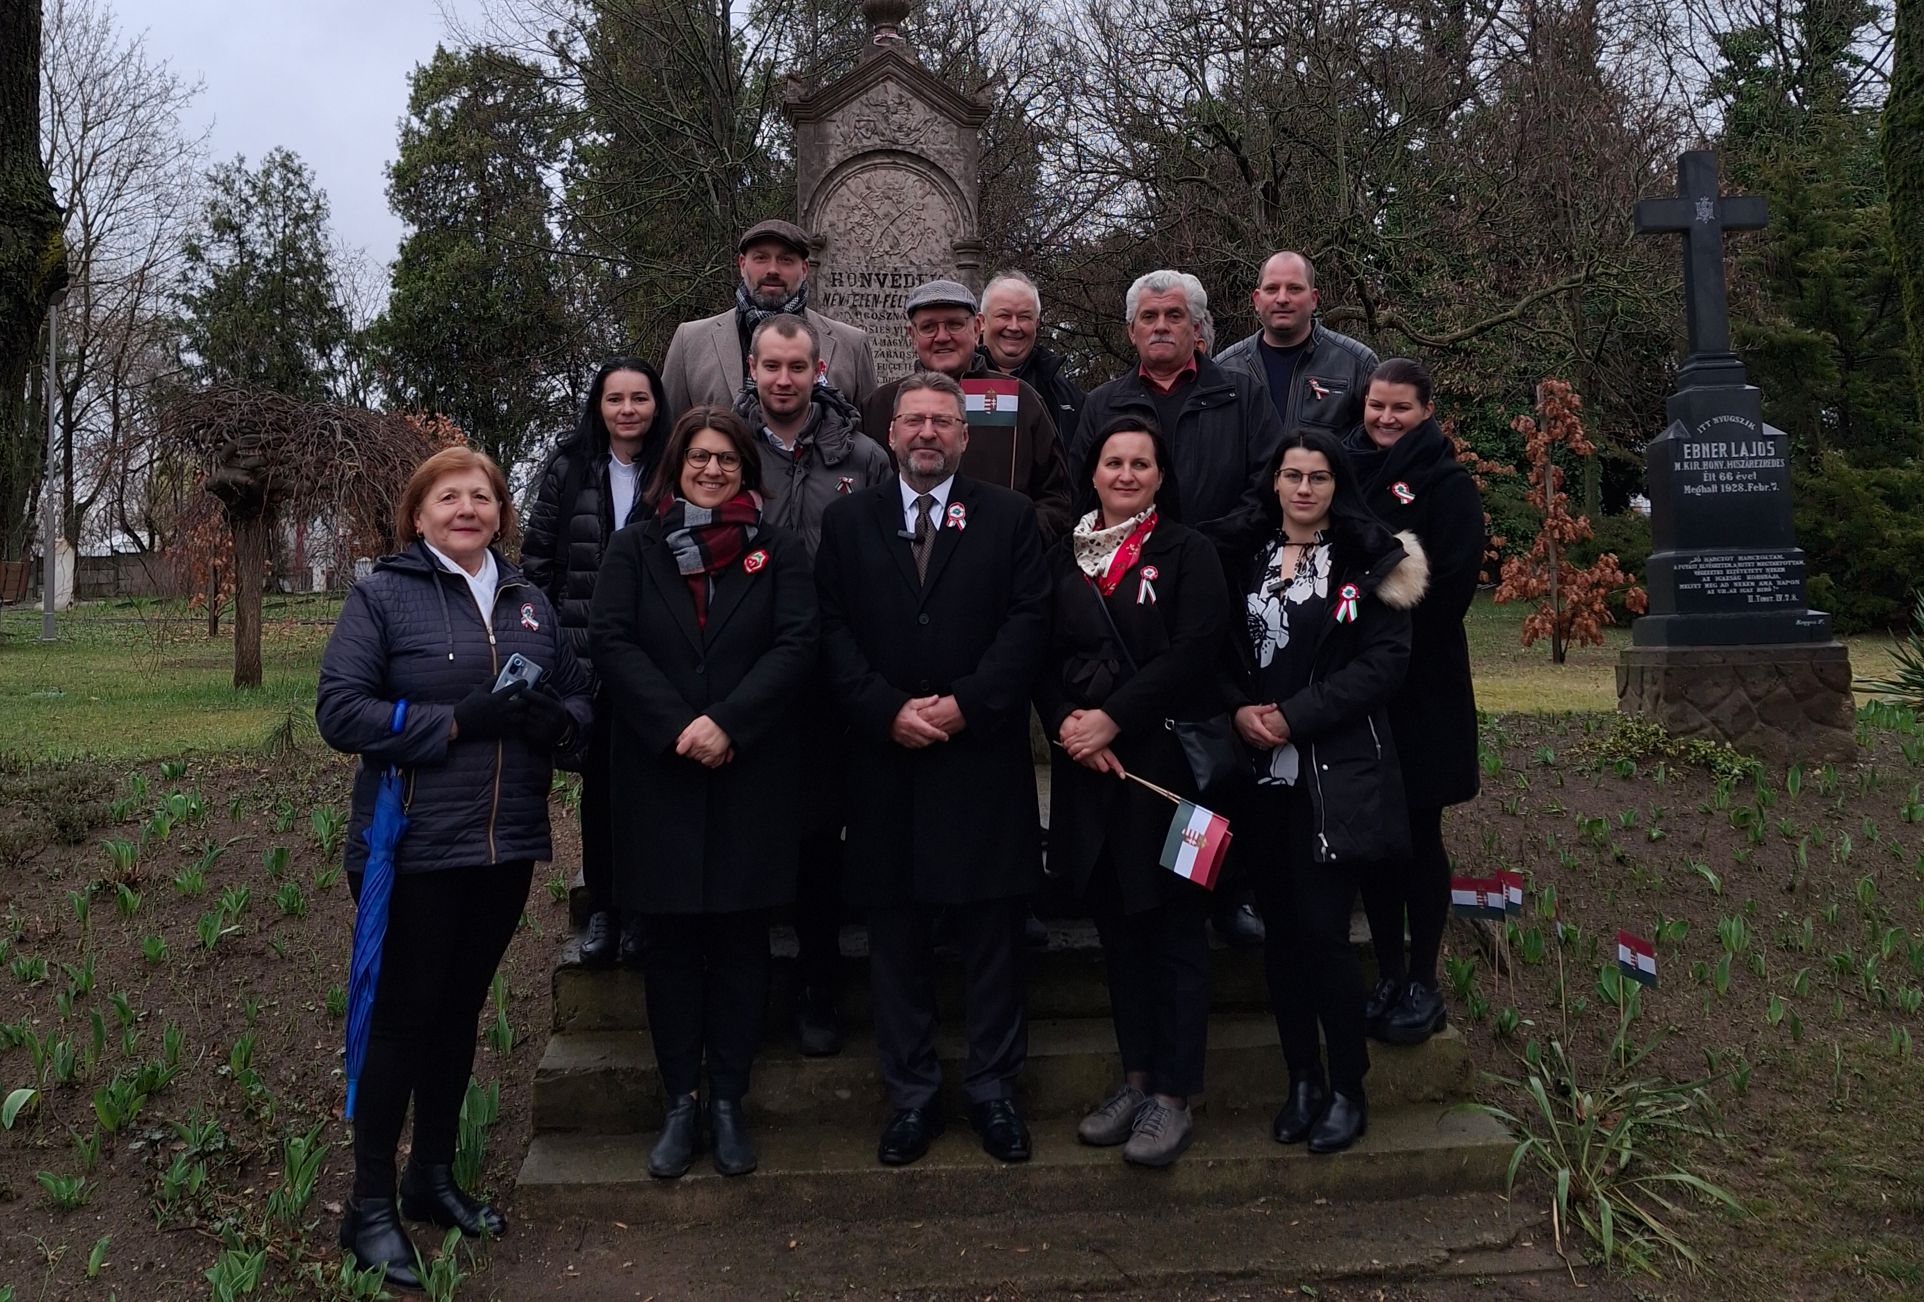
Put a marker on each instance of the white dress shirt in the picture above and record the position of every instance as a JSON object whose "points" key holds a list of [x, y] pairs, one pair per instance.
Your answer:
{"points": [[941, 495]]}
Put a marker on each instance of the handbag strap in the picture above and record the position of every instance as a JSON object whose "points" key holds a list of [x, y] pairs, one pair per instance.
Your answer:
{"points": [[1110, 619]]}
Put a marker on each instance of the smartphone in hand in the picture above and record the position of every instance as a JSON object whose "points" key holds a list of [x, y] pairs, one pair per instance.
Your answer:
{"points": [[519, 669]]}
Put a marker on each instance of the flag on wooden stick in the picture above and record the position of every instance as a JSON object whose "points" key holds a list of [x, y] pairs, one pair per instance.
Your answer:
{"points": [[1477, 897], [1637, 958], [1198, 838]]}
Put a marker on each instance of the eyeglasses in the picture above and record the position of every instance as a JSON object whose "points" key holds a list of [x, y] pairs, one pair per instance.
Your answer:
{"points": [[1317, 478], [940, 424], [929, 329], [699, 457]]}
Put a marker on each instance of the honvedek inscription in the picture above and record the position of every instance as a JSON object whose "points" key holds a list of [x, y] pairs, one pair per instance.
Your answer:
{"points": [[1725, 569]]}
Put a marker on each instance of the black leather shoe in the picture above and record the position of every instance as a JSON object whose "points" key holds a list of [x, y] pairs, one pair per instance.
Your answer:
{"points": [[630, 949], [431, 1193], [680, 1140], [1307, 1099], [1000, 1127], [1343, 1123], [1035, 933], [728, 1138], [1380, 1001], [1419, 1013], [908, 1135], [1239, 926], [600, 940], [372, 1232], [815, 1027]]}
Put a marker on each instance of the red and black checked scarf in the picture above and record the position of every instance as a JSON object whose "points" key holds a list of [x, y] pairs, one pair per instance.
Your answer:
{"points": [[705, 540]]}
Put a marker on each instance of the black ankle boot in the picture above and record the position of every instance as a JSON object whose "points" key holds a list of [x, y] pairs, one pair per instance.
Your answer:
{"points": [[1343, 1122], [728, 1136], [1307, 1099], [372, 1233], [600, 939], [430, 1193], [680, 1140]]}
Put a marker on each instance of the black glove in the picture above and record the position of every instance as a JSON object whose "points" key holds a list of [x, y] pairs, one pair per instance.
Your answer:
{"points": [[483, 715], [544, 720]]}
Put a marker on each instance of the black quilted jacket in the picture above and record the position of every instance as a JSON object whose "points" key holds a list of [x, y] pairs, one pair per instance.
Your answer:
{"points": [[570, 520], [410, 631]]}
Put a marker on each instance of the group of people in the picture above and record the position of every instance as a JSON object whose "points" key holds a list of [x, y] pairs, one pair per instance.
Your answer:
{"points": [[792, 625]]}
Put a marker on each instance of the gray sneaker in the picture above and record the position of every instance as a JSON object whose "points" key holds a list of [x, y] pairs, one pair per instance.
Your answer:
{"points": [[1160, 1136], [1112, 1123]]}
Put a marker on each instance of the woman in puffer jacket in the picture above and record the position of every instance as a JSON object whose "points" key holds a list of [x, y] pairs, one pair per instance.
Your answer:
{"points": [[409, 680], [1325, 645]]}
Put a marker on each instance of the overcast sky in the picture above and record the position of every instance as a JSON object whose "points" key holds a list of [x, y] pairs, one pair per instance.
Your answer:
{"points": [[326, 79]]}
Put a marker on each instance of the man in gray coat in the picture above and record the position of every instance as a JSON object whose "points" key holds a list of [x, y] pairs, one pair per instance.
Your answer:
{"points": [[708, 359], [1315, 376]]}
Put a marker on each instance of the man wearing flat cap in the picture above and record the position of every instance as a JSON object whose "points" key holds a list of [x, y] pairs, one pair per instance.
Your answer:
{"points": [[708, 359], [1012, 436]]}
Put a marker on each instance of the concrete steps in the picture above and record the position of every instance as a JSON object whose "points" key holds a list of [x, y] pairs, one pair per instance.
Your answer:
{"points": [[607, 1082], [828, 1173]]}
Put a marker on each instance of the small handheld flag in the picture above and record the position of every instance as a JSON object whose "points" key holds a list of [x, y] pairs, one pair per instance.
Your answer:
{"points": [[1477, 897], [992, 401], [1512, 883], [1198, 838], [1637, 958]]}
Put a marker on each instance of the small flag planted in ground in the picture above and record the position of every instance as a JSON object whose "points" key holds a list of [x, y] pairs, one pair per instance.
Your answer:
{"points": [[992, 401], [1637, 958], [1198, 838], [1477, 897], [1512, 883]]}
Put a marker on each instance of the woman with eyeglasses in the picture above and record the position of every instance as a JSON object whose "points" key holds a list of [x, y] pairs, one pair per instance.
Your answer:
{"points": [[1325, 645], [704, 633]]}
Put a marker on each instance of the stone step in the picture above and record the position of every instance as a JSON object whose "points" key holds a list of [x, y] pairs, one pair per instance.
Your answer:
{"points": [[829, 1173], [1068, 979], [608, 1082]]}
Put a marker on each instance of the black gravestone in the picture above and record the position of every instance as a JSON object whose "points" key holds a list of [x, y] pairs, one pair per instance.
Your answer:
{"points": [[1725, 569]]}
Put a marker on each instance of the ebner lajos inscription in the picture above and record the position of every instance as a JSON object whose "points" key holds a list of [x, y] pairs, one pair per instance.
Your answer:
{"points": [[1706, 466]]}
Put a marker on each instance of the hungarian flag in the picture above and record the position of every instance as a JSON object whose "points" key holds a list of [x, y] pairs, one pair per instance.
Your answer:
{"points": [[1512, 883], [992, 401], [1477, 897], [1198, 838], [1637, 958]]}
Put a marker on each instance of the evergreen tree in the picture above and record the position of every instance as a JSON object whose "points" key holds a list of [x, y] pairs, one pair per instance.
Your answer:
{"points": [[477, 328], [262, 304], [1904, 173]]}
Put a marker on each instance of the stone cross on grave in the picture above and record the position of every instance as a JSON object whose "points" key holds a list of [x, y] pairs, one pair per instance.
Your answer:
{"points": [[1702, 216]]}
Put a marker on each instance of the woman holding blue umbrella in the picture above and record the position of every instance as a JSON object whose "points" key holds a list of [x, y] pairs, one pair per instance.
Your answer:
{"points": [[413, 682]]}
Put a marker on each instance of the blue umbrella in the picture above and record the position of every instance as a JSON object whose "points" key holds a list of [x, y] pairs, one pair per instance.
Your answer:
{"points": [[370, 915]]}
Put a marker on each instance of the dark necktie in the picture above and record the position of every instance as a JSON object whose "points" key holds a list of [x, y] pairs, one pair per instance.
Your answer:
{"points": [[924, 535]]}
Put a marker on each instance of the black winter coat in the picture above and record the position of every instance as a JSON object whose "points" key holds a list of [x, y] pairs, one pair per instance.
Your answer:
{"points": [[1043, 371], [954, 822], [1418, 485], [687, 838], [1172, 610], [1339, 718], [570, 520], [410, 631], [1224, 439]]}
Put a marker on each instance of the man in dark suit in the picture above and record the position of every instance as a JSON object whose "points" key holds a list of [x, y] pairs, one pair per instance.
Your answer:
{"points": [[934, 625]]}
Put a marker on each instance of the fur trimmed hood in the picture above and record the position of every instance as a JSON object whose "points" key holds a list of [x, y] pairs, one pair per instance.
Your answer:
{"points": [[1406, 582]]}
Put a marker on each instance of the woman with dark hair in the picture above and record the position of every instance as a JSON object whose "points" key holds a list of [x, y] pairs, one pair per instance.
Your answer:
{"points": [[1326, 643], [704, 634], [1409, 473], [587, 491], [1139, 603], [409, 680]]}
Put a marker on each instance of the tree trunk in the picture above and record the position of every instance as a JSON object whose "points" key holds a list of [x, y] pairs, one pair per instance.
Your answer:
{"points": [[213, 600], [33, 264], [1904, 173], [250, 563]]}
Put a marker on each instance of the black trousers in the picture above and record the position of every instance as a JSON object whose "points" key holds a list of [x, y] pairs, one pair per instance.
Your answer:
{"points": [[706, 977], [1315, 976], [446, 933], [597, 813], [901, 943], [819, 911], [1418, 886], [1158, 964]]}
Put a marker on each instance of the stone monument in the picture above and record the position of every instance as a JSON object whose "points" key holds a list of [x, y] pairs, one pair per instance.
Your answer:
{"points": [[887, 162], [1729, 649]]}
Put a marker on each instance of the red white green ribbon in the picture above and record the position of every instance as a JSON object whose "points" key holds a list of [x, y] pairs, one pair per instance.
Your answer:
{"points": [[1346, 606]]}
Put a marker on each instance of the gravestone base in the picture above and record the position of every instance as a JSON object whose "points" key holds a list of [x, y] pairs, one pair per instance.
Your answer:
{"points": [[1783, 704]]}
